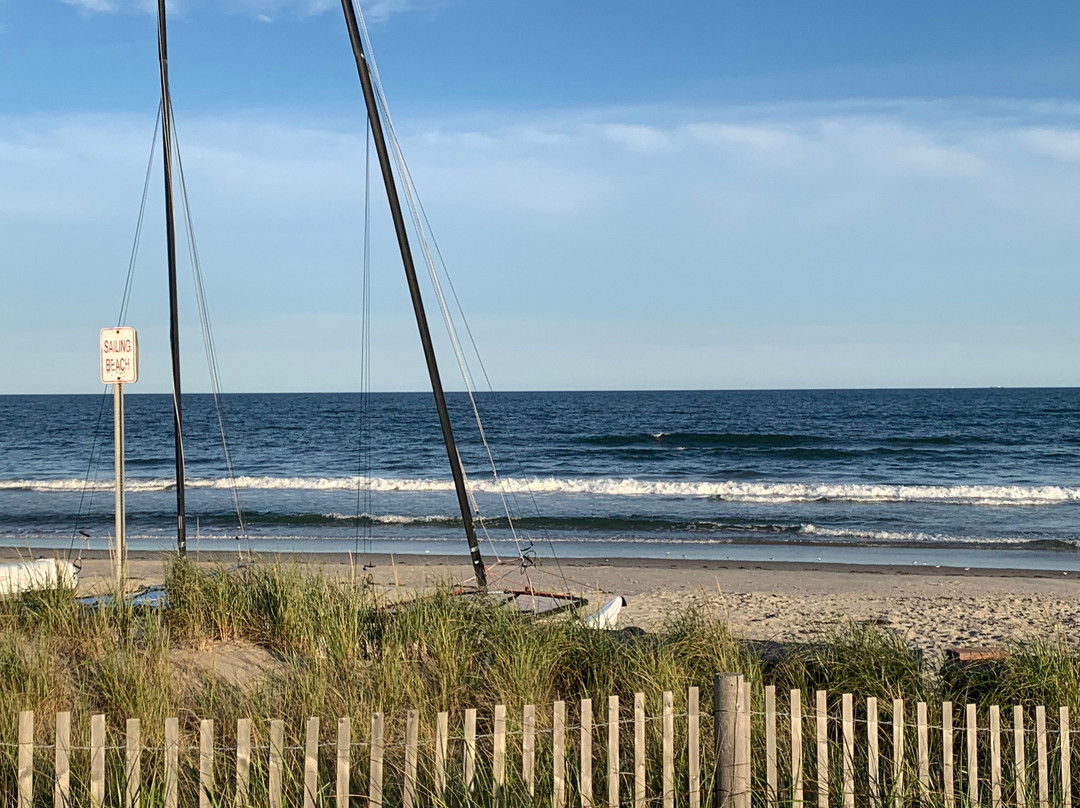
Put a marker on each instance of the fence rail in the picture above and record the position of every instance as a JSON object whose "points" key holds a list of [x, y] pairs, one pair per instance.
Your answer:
{"points": [[768, 750]]}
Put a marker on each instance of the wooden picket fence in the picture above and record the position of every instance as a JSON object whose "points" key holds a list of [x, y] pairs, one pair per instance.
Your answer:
{"points": [[825, 750]]}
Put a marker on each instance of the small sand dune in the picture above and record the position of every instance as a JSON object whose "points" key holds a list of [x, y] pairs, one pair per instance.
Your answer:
{"points": [[934, 608]]}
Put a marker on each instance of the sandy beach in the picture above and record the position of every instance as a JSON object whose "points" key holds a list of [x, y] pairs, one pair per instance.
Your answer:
{"points": [[935, 608]]}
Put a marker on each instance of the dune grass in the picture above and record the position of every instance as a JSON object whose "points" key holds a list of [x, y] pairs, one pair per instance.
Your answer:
{"points": [[337, 650]]}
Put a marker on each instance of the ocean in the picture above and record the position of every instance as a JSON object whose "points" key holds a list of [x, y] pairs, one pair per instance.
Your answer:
{"points": [[985, 478]]}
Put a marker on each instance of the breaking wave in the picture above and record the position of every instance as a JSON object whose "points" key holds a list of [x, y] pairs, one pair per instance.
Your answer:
{"points": [[729, 490]]}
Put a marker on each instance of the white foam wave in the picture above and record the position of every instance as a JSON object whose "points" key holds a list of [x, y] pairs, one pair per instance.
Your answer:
{"points": [[733, 491], [915, 537], [391, 519]]}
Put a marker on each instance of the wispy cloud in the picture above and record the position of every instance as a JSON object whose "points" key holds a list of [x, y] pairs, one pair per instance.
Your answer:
{"points": [[697, 223], [119, 6], [262, 10], [93, 5]]}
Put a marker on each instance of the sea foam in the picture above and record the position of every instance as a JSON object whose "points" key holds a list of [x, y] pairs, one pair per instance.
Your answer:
{"points": [[730, 490]]}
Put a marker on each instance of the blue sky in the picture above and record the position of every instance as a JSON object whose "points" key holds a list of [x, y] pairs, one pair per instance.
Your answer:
{"points": [[627, 195]]}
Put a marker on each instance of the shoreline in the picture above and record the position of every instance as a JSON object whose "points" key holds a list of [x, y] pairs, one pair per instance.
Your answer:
{"points": [[589, 562]]}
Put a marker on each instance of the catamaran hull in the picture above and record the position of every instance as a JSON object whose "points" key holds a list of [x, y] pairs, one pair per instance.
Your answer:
{"points": [[44, 573]]}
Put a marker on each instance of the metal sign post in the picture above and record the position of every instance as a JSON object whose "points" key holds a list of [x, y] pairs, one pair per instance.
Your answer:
{"points": [[119, 366]]}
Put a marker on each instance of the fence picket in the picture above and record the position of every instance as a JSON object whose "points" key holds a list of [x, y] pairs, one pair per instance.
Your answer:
{"points": [[528, 748], [585, 747], [1040, 752], [62, 784], [243, 761], [1066, 773], [668, 753], [898, 753], [375, 771], [311, 762], [796, 750], [97, 761], [277, 760], [498, 754], [558, 755], [442, 733], [742, 744], [947, 756], [770, 746], [470, 748], [172, 764], [822, 716], [873, 753], [412, 757], [613, 751], [847, 761], [693, 746], [639, 750], [25, 782], [972, 755], [206, 762], [1020, 756], [344, 762], [923, 752], [995, 757], [133, 765]]}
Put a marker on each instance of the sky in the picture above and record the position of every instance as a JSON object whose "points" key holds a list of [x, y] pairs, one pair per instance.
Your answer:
{"points": [[627, 195]]}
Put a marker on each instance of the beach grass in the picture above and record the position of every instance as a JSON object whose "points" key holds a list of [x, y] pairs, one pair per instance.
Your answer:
{"points": [[312, 645]]}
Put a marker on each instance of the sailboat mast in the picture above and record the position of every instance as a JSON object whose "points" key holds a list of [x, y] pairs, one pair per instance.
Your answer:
{"points": [[414, 291], [170, 235]]}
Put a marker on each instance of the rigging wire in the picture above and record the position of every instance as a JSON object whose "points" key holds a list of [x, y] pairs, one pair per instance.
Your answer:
{"points": [[363, 481], [414, 209], [120, 320], [207, 331], [420, 220]]}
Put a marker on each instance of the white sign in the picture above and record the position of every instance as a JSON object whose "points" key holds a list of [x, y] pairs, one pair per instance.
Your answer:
{"points": [[119, 355]]}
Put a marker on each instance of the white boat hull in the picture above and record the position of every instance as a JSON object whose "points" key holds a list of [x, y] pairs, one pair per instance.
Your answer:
{"points": [[43, 573], [607, 616]]}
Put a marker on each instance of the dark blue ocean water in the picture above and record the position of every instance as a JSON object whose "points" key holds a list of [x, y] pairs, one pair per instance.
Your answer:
{"points": [[970, 477]]}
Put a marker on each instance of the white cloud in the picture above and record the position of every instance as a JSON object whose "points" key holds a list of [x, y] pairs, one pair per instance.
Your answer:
{"points": [[1054, 144], [382, 10], [266, 11], [760, 138], [120, 6], [270, 10], [714, 221], [636, 138], [93, 5]]}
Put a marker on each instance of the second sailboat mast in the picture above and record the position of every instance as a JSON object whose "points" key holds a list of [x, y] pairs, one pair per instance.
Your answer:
{"points": [[414, 291]]}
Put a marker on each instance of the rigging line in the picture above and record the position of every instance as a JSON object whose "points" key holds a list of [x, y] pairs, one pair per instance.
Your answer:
{"points": [[121, 317], [419, 216], [414, 204], [413, 201], [526, 554], [463, 364], [364, 449], [208, 342], [420, 219], [139, 226], [483, 369], [366, 376], [207, 330]]}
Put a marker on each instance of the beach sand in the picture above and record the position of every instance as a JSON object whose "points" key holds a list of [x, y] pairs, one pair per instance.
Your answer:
{"points": [[935, 608]]}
